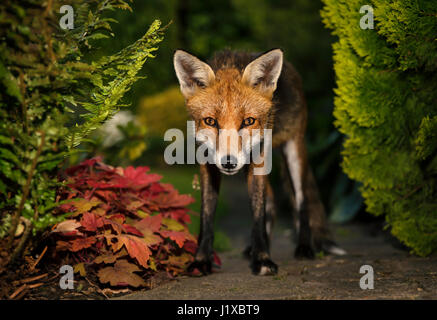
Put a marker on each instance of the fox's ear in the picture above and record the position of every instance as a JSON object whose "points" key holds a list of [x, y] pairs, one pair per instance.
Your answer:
{"points": [[263, 72], [191, 72]]}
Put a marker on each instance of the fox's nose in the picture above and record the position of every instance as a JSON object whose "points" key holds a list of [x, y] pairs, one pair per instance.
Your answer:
{"points": [[229, 162]]}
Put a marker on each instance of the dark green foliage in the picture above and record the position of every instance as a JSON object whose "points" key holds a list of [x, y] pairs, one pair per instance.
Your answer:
{"points": [[47, 83], [386, 106]]}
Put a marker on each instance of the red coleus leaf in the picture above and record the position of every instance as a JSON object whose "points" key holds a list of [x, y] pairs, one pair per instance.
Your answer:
{"points": [[177, 236], [107, 195], [180, 214], [136, 247], [91, 222], [121, 274], [132, 230], [112, 223], [216, 260], [110, 257], [179, 261], [83, 205], [152, 223], [148, 226], [82, 166], [118, 217], [82, 243], [117, 227], [190, 246], [137, 178], [172, 199]]}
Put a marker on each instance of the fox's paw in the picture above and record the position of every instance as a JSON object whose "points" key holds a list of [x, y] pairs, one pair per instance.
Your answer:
{"points": [[263, 267], [304, 251], [329, 247], [204, 266]]}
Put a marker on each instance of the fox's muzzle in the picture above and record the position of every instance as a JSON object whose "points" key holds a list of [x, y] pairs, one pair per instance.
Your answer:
{"points": [[229, 162]]}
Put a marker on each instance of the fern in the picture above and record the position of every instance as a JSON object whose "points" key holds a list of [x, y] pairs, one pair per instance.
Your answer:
{"points": [[46, 82]]}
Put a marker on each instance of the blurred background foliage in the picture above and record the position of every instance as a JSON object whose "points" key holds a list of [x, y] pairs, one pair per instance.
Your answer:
{"points": [[203, 27]]}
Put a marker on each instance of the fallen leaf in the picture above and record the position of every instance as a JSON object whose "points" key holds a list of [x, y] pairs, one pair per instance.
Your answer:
{"points": [[80, 268], [121, 274]]}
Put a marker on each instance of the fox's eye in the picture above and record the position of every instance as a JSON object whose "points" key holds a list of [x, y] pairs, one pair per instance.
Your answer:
{"points": [[248, 122], [210, 121]]}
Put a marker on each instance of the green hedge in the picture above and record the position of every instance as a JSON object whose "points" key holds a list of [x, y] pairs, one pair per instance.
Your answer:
{"points": [[386, 105]]}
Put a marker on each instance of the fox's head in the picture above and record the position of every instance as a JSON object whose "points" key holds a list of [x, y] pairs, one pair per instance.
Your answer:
{"points": [[230, 107]]}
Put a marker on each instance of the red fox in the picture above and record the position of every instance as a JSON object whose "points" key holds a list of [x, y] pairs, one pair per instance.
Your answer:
{"points": [[242, 91]]}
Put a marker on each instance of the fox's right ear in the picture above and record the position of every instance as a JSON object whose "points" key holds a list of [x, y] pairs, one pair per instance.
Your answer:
{"points": [[191, 72], [263, 73]]}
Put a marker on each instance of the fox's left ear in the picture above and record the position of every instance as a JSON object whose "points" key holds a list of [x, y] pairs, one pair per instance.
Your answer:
{"points": [[263, 73], [192, 73]]}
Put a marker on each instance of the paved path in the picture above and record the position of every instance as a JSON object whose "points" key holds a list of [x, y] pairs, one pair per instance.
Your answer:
{"points": [[397, 275]]}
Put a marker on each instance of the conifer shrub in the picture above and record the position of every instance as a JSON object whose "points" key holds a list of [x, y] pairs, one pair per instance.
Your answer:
{"points": [[386, 106]]}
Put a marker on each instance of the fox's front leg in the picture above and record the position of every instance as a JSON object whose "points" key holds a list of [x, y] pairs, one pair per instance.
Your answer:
{"points": [[210, 184], [261, 264]]}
